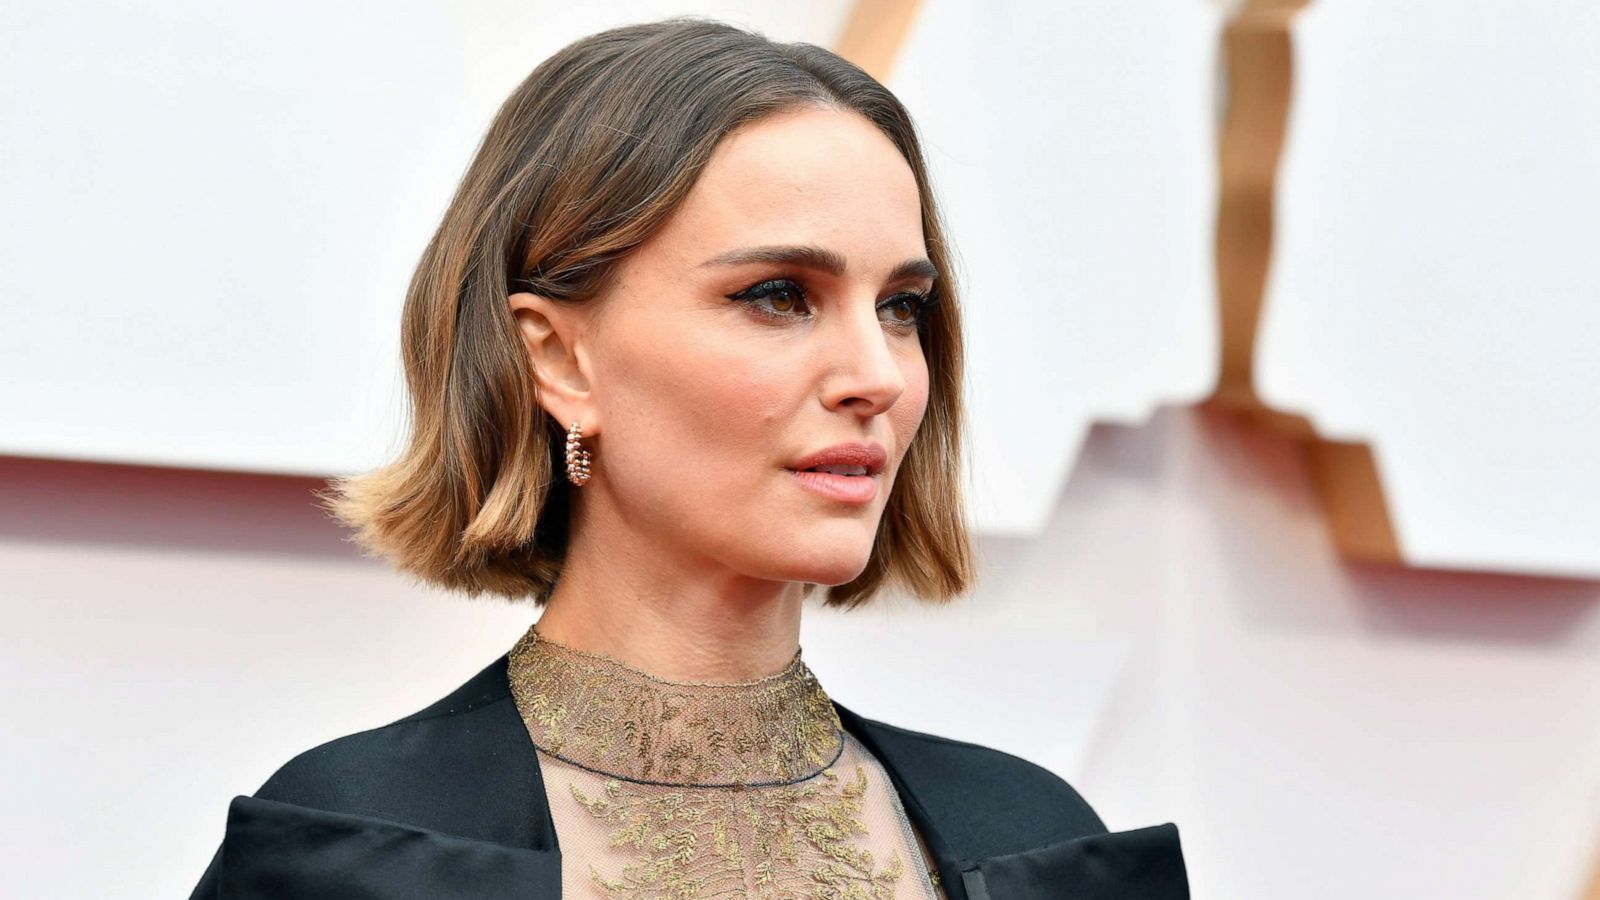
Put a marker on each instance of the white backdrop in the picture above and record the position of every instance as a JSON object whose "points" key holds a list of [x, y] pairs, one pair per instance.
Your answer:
{"points": [[1436, 286]]}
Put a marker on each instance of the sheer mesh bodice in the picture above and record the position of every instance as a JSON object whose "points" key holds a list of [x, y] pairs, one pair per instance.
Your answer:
{"points": [[667, 789]]}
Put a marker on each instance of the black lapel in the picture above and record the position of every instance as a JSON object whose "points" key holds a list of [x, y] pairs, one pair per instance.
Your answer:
{"points": [[495, 678], [938, 847], [1017, 862]]}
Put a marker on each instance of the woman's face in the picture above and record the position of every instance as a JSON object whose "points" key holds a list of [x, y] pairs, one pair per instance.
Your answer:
{"points": [[722, 357]]}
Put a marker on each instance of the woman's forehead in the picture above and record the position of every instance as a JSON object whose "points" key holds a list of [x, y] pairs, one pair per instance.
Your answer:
{"points": [[812, 176]]}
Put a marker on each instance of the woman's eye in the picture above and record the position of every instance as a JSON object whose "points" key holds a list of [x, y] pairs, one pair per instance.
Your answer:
{"points": [[907, 310], [785, 298], [779, 298]]}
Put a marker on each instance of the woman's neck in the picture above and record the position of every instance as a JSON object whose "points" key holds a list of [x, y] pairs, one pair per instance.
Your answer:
{"points": [[674, 621]]}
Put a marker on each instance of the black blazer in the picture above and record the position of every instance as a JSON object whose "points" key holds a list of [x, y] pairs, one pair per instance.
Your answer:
{"points": [[448, 804]]}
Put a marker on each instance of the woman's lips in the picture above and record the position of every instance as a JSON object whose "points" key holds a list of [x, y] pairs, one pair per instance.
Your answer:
{"points": [[843, 488]]}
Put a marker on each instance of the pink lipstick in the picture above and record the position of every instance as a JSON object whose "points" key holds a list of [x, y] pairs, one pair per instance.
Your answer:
{"points": [[846, 472]]}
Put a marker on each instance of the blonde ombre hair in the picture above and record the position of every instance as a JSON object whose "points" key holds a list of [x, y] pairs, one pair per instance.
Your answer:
{"points": [[585, 160]]}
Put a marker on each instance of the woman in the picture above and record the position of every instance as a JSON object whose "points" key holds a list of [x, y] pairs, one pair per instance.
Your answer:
{"points": [[685, 347]]}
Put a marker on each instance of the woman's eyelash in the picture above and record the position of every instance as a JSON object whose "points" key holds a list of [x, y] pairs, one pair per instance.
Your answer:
{"points": [[764, 289], [923, 302]]}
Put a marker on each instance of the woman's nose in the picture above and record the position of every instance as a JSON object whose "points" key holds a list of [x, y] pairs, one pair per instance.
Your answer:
{"points": [[863, 366]]}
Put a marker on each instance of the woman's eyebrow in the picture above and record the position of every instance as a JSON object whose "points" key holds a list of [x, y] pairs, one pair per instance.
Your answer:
{"points": [[819, 258]]}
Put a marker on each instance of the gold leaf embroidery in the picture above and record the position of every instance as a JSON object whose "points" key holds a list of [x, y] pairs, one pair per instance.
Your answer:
{"points": [[693, 843], [610, 717], [723, 790]]}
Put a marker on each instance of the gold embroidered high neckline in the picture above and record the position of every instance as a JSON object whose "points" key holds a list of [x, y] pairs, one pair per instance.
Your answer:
{"points": [[609, 717]]}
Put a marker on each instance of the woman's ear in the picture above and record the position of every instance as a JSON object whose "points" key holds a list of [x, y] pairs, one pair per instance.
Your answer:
{"points": [[552, 334]]}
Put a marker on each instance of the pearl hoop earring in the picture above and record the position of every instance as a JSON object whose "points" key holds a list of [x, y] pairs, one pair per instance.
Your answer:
{"points": [[577, 457]]}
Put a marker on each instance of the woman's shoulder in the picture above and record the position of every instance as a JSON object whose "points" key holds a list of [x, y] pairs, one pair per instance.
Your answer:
{"points": [[412, 788], [1021, 829], [976, 787], [448, 766]]}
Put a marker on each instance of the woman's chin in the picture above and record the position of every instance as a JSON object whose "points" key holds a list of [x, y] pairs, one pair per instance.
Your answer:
{"points": [[829, 567]]}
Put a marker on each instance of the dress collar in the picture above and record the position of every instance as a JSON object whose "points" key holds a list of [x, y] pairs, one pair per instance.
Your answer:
{"points": [[607, 716]]}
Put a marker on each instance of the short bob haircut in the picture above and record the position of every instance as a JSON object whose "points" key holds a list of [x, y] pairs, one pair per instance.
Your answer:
{"points": [[581, 164]]}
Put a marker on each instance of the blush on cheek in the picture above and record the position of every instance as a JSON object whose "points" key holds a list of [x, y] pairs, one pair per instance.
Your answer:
{"points": [[908, 414], [748, 401]]}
